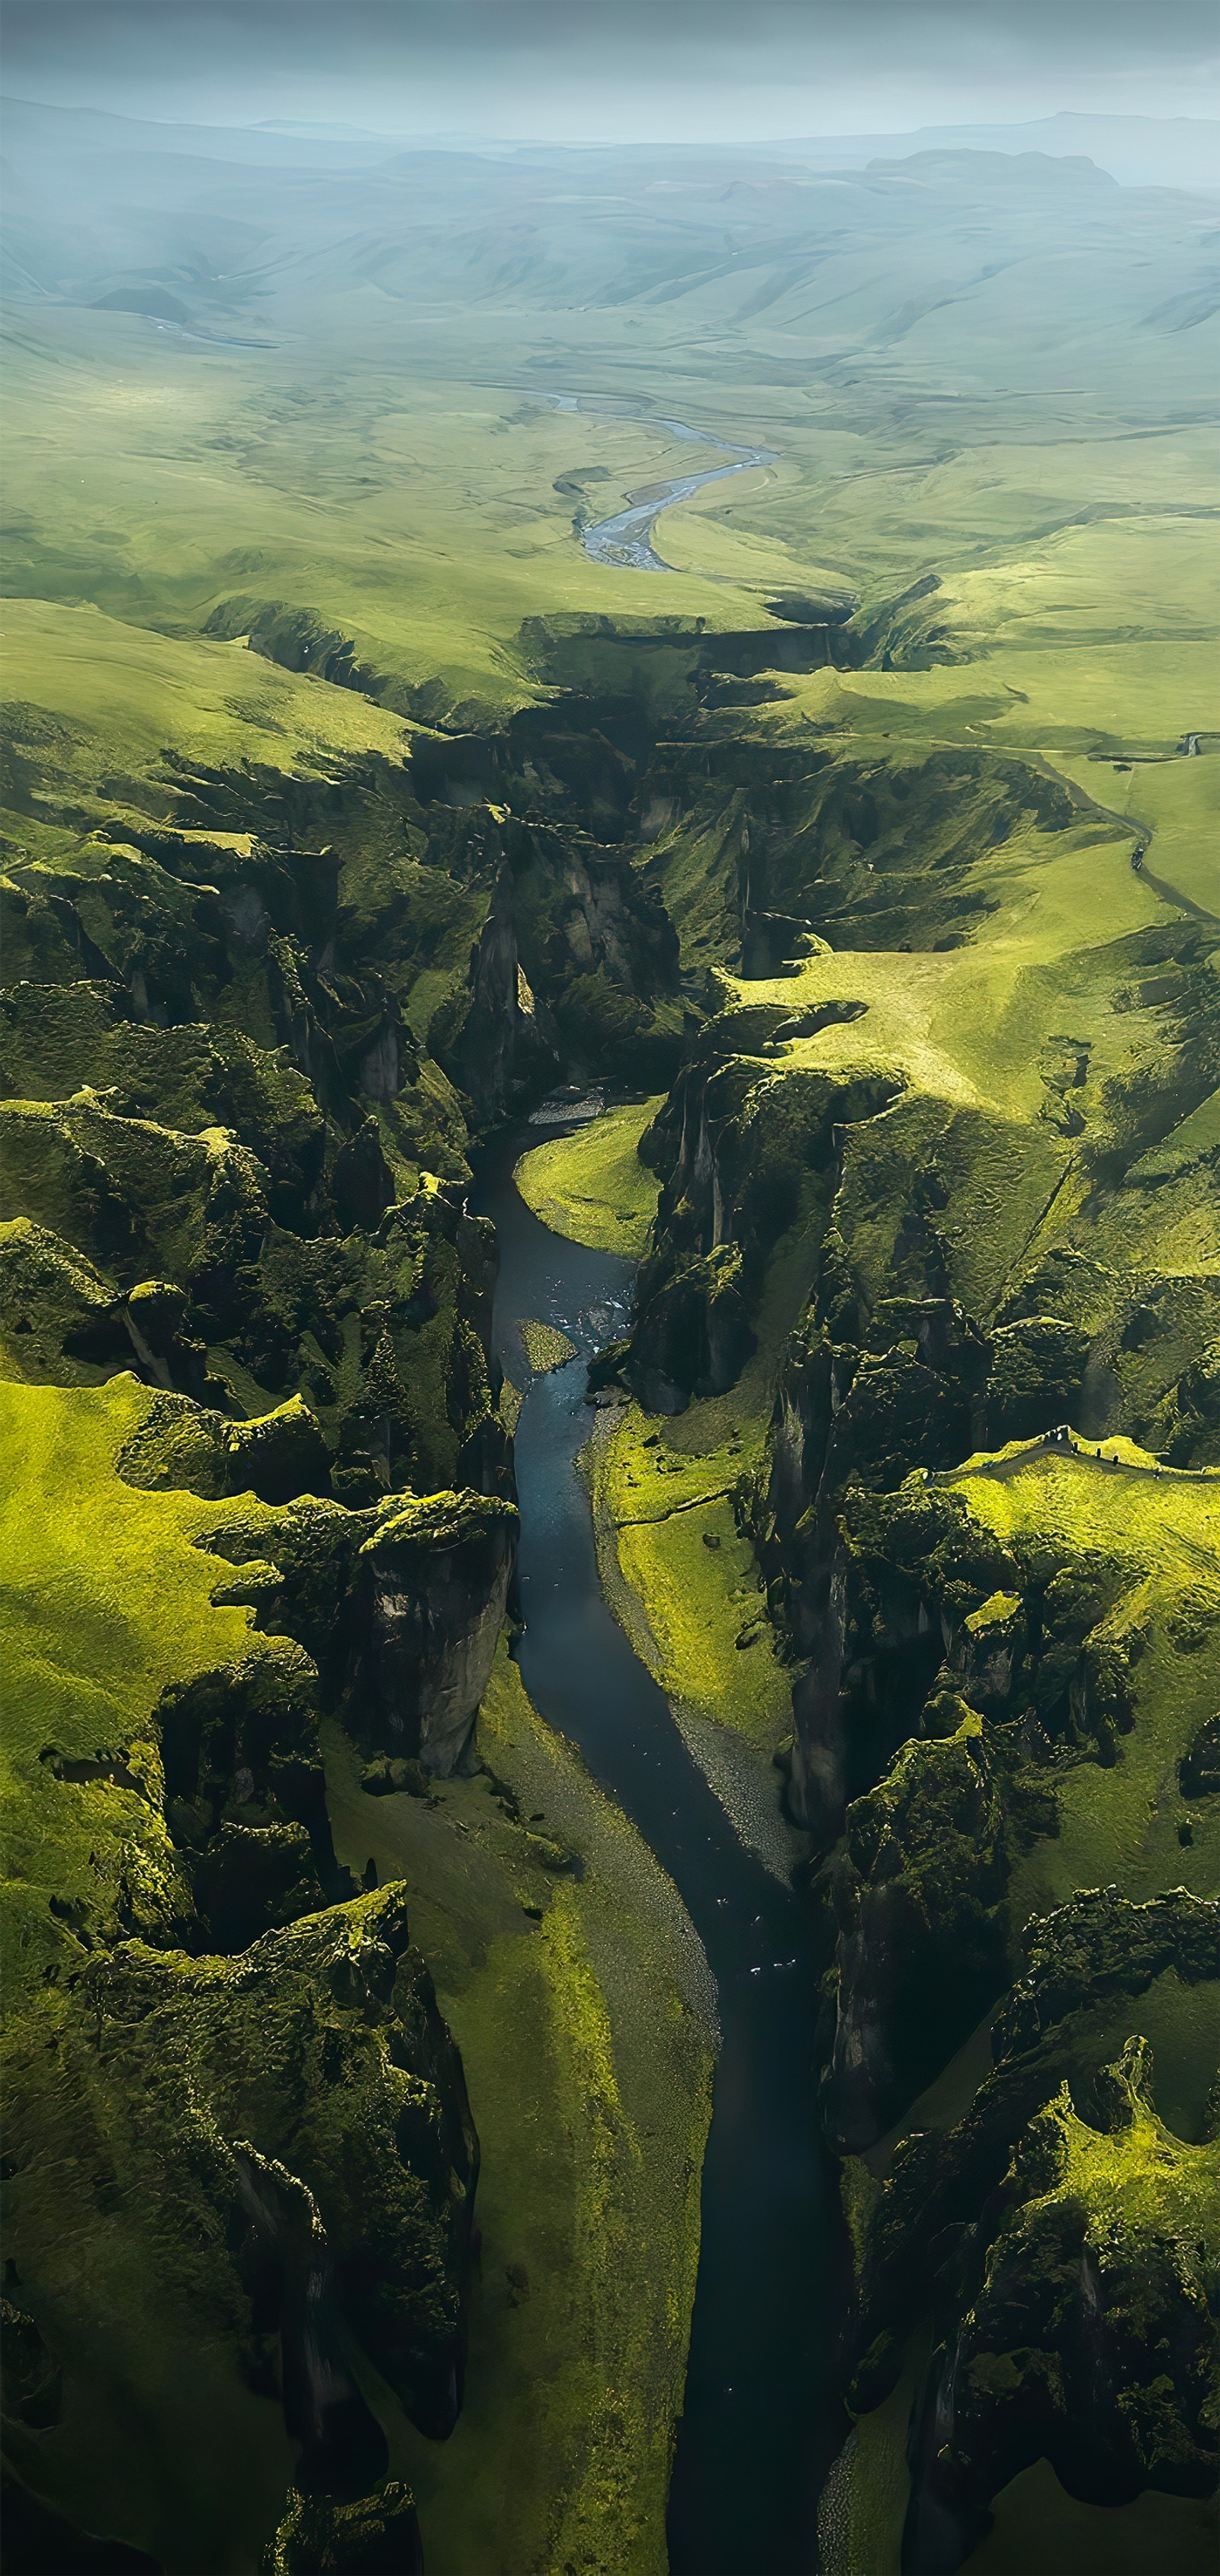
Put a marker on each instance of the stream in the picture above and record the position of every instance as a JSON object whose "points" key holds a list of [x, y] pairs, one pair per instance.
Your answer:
{"points": [[760, 2423], [626, 538]]}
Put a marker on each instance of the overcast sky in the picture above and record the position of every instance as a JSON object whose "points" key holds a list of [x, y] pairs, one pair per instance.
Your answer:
{"points": [[595, 70]]}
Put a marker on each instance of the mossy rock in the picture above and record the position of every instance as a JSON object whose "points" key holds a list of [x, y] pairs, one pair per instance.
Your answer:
{"points": [[1084, 2333], [199, 2036], [378, 2535], [401, 1603], [60, 1316], [544, 1345], [184, 1445]]}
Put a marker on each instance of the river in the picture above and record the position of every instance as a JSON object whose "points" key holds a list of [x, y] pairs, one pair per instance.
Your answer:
{"points": [[625, 539], [760, 2423]]}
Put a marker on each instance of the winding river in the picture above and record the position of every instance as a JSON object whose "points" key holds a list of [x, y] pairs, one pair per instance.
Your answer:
{"points": [[626, 539], [760, 2424]]}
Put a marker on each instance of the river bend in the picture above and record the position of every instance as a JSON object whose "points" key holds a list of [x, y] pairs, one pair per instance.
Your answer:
{"points": [[625, 540], [760, 2424]]}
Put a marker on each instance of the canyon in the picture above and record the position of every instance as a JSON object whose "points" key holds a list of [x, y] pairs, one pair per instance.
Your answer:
{"points": [[610, 1351]]}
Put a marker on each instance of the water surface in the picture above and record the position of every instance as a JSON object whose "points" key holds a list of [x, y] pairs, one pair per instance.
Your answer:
{"points": [[626, 538], [760, 2424]]}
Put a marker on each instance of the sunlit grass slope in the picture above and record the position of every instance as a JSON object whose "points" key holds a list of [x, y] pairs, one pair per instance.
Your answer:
{"points": [[107, 1599], [1118, 1825], [591, 1185], [94, 704], [580, 2007], [417, 519]]}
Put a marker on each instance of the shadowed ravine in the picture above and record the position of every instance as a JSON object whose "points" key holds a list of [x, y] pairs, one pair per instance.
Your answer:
{"points": [[759, 2424]]}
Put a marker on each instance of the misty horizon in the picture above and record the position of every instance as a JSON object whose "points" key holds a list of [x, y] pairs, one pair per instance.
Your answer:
{"points": [[526, 70]]}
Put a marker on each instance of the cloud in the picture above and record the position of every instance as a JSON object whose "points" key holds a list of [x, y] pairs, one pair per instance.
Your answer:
{"points": [[589, 67]]}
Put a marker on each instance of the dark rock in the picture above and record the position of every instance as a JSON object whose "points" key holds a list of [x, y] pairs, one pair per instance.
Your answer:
{"points": [[1199, 1770], [1083, 2334], [401, 1604], [378, 2535], [391, 1776]]}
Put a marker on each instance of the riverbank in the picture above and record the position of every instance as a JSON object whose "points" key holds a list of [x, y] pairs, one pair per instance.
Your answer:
{"points": [[568, 1973], [758, 2424], [589, 1184], [624, 540], [679, 1574]]}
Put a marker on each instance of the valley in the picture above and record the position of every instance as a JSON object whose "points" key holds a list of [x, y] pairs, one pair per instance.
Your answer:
{"points": [[610, 1336]]}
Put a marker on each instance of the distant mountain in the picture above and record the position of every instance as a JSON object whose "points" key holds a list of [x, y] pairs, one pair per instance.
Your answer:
{"points": [[317, 130], [1138, 151]]}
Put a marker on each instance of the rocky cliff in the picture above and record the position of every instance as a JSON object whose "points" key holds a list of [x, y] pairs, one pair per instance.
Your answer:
{"points": [[978, 1267]]}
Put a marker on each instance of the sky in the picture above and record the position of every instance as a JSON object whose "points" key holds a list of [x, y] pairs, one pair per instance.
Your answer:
{"points": [[610, 70]]}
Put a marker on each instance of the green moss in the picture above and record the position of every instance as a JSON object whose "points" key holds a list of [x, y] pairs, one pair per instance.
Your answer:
{"points": [[680, 1572], [179, 1443], [110, 1602], [1119, 2204], [376, 2536], [590, 1184], [584, 2032], [544, 1345], [162, 1795], [1135, 2175], [511, 1401], [1118, 1823], [60, 1317]]}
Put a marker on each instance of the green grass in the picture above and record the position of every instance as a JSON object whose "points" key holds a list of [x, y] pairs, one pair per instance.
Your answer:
{"points": [[586, 2045], [418, 517], [544, 1345], [1139, 2178], [1118, 1825], [386, 460], [1037, 2524], [657, 1505], [94, 704], [681, 1578], [107, 1600], [863, 2507], [591, 1186]]}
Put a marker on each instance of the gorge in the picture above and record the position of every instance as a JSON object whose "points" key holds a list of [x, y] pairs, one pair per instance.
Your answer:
{"points": [[610, 1352]]}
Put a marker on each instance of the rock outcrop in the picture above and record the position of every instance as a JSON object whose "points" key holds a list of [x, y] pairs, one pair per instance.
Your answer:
{"points": [[376, 2536], [401, 1605], [1065, 2240]]}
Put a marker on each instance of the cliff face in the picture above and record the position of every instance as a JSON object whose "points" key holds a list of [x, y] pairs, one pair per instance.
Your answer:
{"points": [[401, 1606], [975, 1259], [235, 1263], [1063, 2239], [490, 1037], [965, 1674], [232, 2108], [575, 968], [744, 1151]]}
